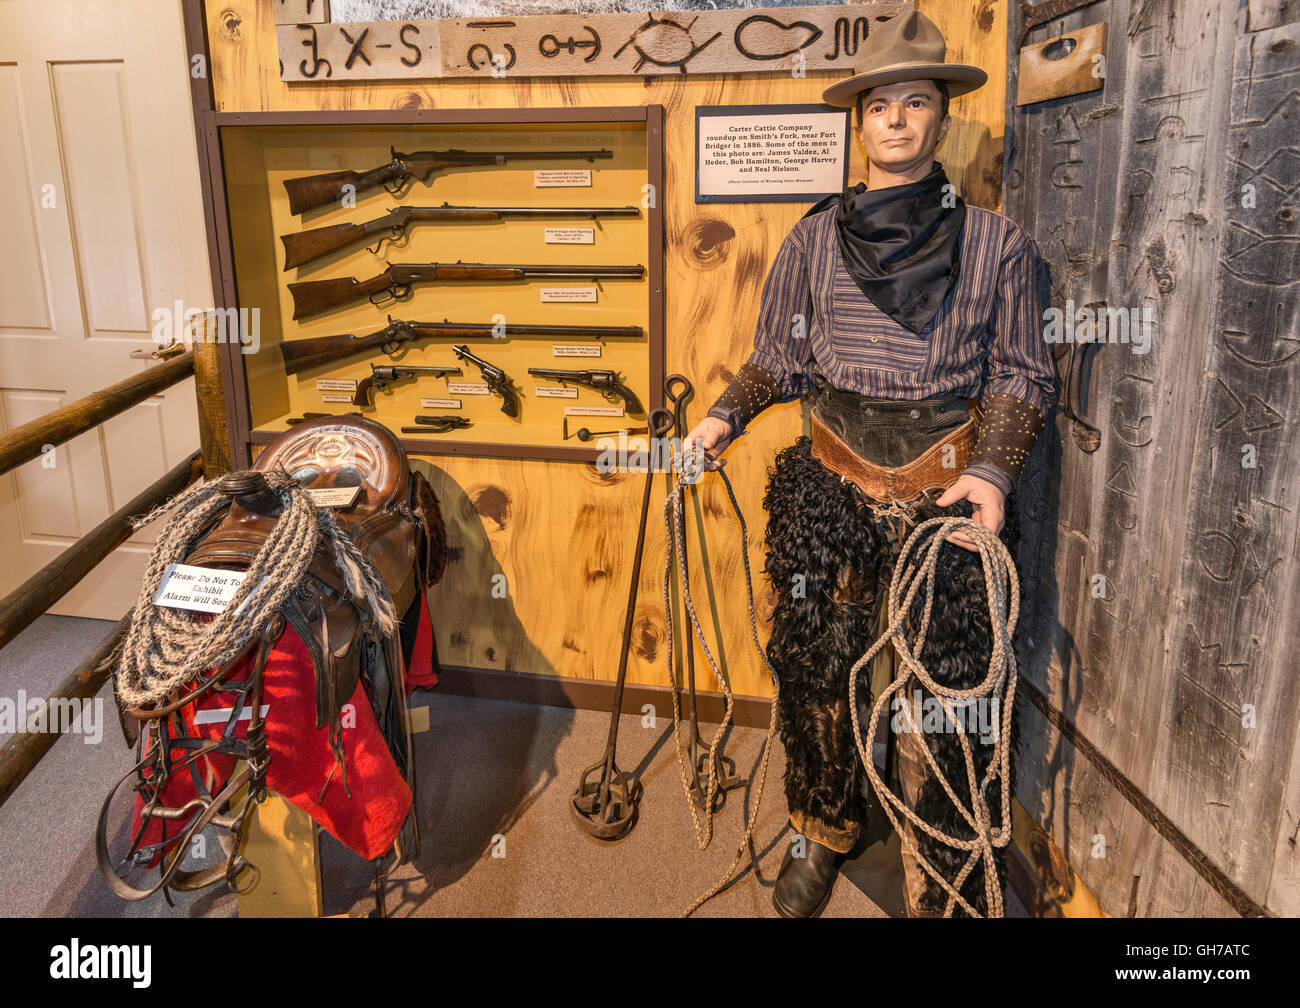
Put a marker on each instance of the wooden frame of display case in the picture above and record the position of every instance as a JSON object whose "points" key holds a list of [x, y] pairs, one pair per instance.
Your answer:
{"points": [[219, 132]]}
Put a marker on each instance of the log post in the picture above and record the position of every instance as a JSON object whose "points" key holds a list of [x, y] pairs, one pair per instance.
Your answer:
{"points": [[214, 434]]}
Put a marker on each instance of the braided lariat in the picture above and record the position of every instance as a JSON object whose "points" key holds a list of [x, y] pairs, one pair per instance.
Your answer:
{"points": [[675, 523], [1004, 608], [689, 465], [164, 648]]}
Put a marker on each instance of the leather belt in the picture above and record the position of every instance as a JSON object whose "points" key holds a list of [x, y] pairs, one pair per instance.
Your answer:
{"points": [[905, 483]]}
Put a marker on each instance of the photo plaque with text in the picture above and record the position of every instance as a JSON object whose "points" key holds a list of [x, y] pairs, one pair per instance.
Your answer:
{"points": [[770, 153]]}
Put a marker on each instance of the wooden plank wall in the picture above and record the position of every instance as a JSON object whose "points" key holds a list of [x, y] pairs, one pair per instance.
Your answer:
{"points": [[562, 535], [1135, 195]]}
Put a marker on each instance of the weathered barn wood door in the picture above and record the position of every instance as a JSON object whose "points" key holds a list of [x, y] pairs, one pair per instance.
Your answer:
{"points": [[1170, 554]]}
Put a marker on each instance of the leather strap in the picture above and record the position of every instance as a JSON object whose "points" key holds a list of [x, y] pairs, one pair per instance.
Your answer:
{"points": [[905, 483], [171, 863], [157, 757]]}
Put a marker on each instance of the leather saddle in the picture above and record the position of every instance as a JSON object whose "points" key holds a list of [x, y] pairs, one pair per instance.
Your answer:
{"points": [[359, 469]]}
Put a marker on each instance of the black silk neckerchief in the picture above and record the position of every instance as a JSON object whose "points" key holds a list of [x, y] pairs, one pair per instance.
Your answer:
{"points": [[900, 244]]}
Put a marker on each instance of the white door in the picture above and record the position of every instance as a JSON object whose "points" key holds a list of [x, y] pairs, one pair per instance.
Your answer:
{"points": [[102, 218]]}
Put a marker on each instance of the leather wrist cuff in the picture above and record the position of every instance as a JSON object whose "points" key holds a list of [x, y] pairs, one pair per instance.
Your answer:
{"points": [[753, 390], [1009, 430]]}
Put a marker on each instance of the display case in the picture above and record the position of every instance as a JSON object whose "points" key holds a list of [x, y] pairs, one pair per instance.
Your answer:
{"points": [[597, 175]]}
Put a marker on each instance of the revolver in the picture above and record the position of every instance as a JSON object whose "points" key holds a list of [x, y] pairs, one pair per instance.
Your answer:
{"points": [[383, 375], [497, 380], [607, 383]]}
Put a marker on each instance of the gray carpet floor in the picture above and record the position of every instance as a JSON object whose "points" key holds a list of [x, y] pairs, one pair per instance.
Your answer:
{"points": [[47, 826], [498, 837]]}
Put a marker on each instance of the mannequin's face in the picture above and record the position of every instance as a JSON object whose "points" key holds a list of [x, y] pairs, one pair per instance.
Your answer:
{"points": [[902, 125]]}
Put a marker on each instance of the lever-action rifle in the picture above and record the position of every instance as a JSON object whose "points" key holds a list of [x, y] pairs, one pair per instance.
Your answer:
{"points": [[308, 245], [497, 380], [607, 383], [309, 191], [383, 375], [310, 297], [301, 354]]}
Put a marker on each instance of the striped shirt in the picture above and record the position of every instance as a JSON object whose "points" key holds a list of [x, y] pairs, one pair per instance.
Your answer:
{"points": [[987, 337]]}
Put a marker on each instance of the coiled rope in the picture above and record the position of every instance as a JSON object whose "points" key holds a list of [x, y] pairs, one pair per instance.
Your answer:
{"points": [[164, 648], [1003, 589], [689, 465]]}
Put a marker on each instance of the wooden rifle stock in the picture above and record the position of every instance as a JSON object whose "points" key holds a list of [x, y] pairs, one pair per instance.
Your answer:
{"points": [[310, 191], [314, 296], [309, 245], [307, 353]]}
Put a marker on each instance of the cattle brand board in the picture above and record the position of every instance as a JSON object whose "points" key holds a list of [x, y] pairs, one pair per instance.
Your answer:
{"points": [[749, 40]]}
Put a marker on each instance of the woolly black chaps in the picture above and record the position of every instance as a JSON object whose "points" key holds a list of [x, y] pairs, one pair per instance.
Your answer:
{"points": [[829, 560]]}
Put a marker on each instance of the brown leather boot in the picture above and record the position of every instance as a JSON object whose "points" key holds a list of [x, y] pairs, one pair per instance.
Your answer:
{"points": [[803, 886]]}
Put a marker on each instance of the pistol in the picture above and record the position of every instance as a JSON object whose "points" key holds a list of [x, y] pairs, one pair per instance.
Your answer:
{"points": [[497, 380], [383, 375], [607, 383]]}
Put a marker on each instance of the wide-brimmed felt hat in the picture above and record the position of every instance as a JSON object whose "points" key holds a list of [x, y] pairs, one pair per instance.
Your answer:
{"points": [[907, 47]]}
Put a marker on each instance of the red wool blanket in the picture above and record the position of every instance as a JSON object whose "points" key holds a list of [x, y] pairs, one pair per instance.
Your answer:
{"points": [[369, 819]]}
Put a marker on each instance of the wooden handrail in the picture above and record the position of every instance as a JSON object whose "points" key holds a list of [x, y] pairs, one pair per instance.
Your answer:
{"points": [[22, 444], [24, 750], [21, 606]]}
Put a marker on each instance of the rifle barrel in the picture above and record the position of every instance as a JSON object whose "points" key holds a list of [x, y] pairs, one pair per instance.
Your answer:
{"points": [[466, 271], [454, 155], [623, 211], [584, 271], [428, 330], [402, 369]]}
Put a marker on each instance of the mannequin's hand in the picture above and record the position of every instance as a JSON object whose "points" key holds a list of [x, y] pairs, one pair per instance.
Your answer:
{"points": [[713, 435], [988, 506]]}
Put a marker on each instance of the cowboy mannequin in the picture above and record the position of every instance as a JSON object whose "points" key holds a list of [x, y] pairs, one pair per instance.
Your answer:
{"points": [[892, 306]]}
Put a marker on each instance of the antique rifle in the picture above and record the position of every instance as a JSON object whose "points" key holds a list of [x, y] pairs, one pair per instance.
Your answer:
{"points": [[301, 354], [383, 375], [497, 380], [310, 191], [308, 245], [311, 297], [607, 383]]}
